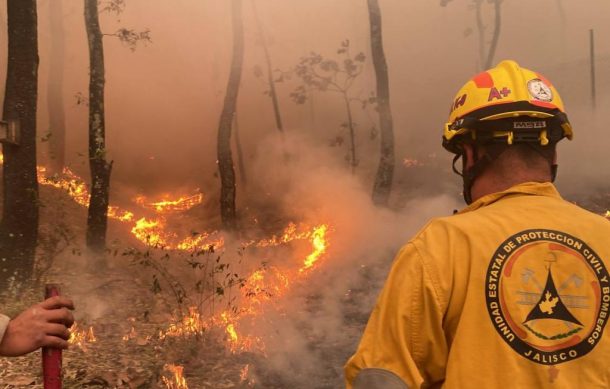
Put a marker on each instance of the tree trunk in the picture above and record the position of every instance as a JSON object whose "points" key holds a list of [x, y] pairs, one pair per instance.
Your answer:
{"points": [[97, 220], [563, 27], [19, 226], [55, 94], [497, 28], [478, 4], [385, 171], [225, 157], [240, 154], [272, 90], [352, 133]]}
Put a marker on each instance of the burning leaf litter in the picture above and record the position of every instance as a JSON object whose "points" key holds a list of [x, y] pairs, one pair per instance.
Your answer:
{"points": [[177, 381], [261, 289], [183, 203], [81, 337]]}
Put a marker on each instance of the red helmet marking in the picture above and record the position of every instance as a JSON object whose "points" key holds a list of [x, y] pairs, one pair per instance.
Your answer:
{"points": [[483, 80], [544, 79], [543, 104]]}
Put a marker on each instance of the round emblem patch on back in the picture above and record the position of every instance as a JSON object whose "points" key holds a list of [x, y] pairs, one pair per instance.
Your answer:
{"points": [[548, 295], [539, 90]]}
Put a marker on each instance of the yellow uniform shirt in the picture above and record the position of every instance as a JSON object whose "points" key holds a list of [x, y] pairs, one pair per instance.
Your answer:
{"points": [[512, 292]]}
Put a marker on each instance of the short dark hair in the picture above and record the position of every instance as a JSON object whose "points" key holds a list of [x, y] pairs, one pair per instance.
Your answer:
{"points": [[535, 157]]}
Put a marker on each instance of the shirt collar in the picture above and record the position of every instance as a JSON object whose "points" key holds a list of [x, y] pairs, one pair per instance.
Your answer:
{"points": [[526, 188]]}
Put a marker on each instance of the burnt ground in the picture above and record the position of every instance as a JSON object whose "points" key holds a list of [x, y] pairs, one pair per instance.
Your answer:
{"points": [[114, 295], [124, 300]]}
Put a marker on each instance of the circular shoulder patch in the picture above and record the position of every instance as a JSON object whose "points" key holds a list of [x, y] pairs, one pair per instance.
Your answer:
{"points": [[548, 295], [539, 90]]}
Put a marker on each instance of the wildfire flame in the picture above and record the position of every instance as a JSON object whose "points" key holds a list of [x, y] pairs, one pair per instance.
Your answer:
{"points": [[290, 233], [183, 203], [150, 232], [262, 286], [131, 335], [81, 337], [236, 341], [411, 162], [244, 376], [320, 245], [177, 381], [203, 241], [76, 188], [191, 324]]}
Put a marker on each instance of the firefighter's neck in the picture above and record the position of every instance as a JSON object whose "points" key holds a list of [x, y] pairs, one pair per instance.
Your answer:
{"points": [[500, 178]]}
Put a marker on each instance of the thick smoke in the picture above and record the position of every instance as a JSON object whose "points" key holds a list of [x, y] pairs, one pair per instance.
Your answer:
{"points": [[312, 329]]}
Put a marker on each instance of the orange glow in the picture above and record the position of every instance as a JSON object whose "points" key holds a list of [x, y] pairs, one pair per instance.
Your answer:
{"points": [[203, 241], [260, 290], [235, 341], [191, 324], [411, 162], [182, 203], [244, 377], [177, 381], [264, 285], [131, 335], [150, 232], [67, 181], [81, 337], [290, 234], [320, 245]]}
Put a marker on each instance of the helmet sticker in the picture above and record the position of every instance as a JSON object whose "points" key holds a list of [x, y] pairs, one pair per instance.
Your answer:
{"points": [[539, 90], [494, 93], [459, 101], [529, 125], [548, 295]]}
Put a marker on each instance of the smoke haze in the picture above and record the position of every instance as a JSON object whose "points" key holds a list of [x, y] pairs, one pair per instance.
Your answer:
{"points": [[163, 102]]}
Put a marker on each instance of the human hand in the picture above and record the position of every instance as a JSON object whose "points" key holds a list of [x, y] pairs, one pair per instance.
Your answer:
{"points": [[43, 325]]}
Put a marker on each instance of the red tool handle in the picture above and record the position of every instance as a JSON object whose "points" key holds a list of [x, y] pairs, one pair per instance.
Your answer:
{"points": [[51, 357]]}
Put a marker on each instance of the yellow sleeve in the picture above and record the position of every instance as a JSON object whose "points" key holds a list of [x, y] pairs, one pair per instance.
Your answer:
{"points": [[404, 334]]}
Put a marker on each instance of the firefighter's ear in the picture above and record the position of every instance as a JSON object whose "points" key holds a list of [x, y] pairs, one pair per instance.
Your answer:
{"points": [[469, 155]]}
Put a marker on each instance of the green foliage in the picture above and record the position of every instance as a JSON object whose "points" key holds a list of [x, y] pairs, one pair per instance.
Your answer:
{"points": [[199, 278]]}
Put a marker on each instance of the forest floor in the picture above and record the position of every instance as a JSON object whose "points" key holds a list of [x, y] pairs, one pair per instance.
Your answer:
{"points": [[118, 301], [131, 310]]}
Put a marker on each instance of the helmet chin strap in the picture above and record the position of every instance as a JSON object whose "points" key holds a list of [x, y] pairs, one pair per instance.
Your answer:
{"points": [[470, 174]]}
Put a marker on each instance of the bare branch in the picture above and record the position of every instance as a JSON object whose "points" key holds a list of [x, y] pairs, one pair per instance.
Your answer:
{"points": [[131, 38], [114, 6]]}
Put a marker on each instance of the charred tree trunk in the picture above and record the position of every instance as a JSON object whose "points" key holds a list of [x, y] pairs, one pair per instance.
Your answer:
{"points": [[225, 157], [272, 90], [57, 123], [240, 154], [19, 226], [97, 218], [385, 171], [496, 36], [352, 133]]}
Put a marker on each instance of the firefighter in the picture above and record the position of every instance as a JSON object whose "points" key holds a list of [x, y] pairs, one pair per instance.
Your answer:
{"points": [[513, 291], [43, 325]]}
